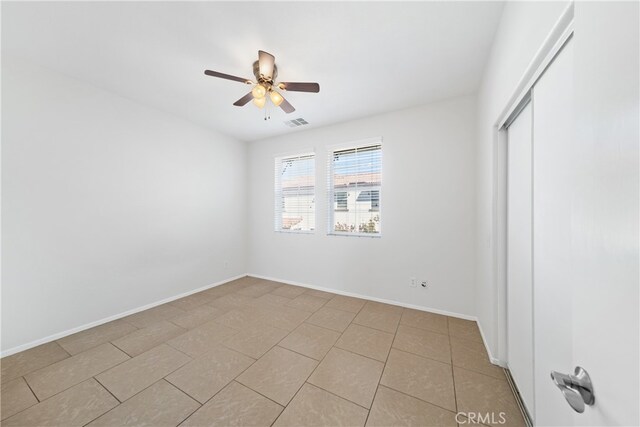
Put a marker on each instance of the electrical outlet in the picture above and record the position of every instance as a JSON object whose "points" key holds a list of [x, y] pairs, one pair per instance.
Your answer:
{"points": [[412, 282], [423, 284]]}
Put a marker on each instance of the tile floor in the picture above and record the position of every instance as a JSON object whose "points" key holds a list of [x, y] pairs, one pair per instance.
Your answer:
{"points": [[260, 353]]}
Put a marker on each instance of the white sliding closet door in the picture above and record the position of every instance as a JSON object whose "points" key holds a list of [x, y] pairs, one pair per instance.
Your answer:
{"points": [[553, 203], [519, 258]]}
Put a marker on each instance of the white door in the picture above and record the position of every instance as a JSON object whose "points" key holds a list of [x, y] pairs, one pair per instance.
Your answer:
{"points": [[606, 208], [519, 255], [553, 125]]}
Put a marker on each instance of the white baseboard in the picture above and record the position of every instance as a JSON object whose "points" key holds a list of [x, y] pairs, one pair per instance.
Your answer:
{"points": [[367, 297], [63, 334], [492, 359]]}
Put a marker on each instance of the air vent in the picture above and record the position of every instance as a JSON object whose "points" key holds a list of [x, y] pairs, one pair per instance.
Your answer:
{"points": [[296, 122]]}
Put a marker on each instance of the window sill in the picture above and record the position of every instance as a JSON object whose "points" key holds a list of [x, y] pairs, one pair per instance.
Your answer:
{"points": [[295, 231], [348, 234]]}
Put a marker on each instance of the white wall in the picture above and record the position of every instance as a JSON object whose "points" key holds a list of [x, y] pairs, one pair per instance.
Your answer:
{"points": [[428, 210], [523, 28], [107, 205]]}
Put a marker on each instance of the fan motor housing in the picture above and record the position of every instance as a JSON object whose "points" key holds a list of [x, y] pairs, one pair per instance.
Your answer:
{"points": [[263, 79]]}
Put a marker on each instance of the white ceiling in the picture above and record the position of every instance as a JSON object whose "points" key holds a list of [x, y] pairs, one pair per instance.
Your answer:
{"points": [[368, 57]]}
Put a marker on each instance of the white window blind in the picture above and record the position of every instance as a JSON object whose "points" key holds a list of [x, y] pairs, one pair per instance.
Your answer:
{"points": [[355, 180], [295, 209]]}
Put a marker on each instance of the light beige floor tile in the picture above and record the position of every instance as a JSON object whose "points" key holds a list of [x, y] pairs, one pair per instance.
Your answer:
{"points": [[330, 318], [472, 355], [286, 318], [423, 342], [15, 396], [289, 291], [425, 320], [348, 375], [256, 341], [146, 338], [138, 373], [93, 337], [272, 299], [157, 406], [278, 375], [466, 422], [272, 284], [310, 340], [313, 406], [60, 376], [366, 341], [240, 283], [201, 339], [22, 363], [221, 290], [350, 304], [379, 306], [478, 393], [73, 407], [235, 406], [319, 294], [242, 318], [426, 379], [391, 408], [466, 329], [192, 301], [232, 301], [381, 319], [307, 302], [203, 377], [153, 315], [198, 316], [256, 290]]}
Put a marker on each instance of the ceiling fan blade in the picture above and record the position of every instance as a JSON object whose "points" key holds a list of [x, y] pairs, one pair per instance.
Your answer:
{"points": [[244, 100], [266, 62], [226, 76], [286, 107], [300, 87]]}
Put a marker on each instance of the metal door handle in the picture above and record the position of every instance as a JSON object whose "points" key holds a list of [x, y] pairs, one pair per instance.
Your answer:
{"points": [[576, 388]]}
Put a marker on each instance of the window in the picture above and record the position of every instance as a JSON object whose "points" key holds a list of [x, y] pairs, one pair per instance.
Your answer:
{"points": [[295, 178], [373, 197], [354, 186], [341, 201]]}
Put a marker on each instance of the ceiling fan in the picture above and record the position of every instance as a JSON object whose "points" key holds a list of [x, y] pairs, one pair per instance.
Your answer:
{"points": [[266, 71]]}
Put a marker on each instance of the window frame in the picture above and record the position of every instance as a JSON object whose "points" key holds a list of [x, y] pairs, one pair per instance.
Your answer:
{"points": [[278, 197], [361, 143]]}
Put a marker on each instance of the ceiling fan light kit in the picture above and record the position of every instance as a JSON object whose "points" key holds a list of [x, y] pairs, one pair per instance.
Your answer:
{"points": [[265, 72], [259, 102]]}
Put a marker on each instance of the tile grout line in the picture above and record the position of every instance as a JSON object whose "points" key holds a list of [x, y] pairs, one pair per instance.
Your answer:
{"points": [[452, 364], [109, 391], [120, 403], [319, 363], [375, 394], [453, 377], [417, 398], [88, 378], [31, 390], [95, 377], [225, 386]]}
